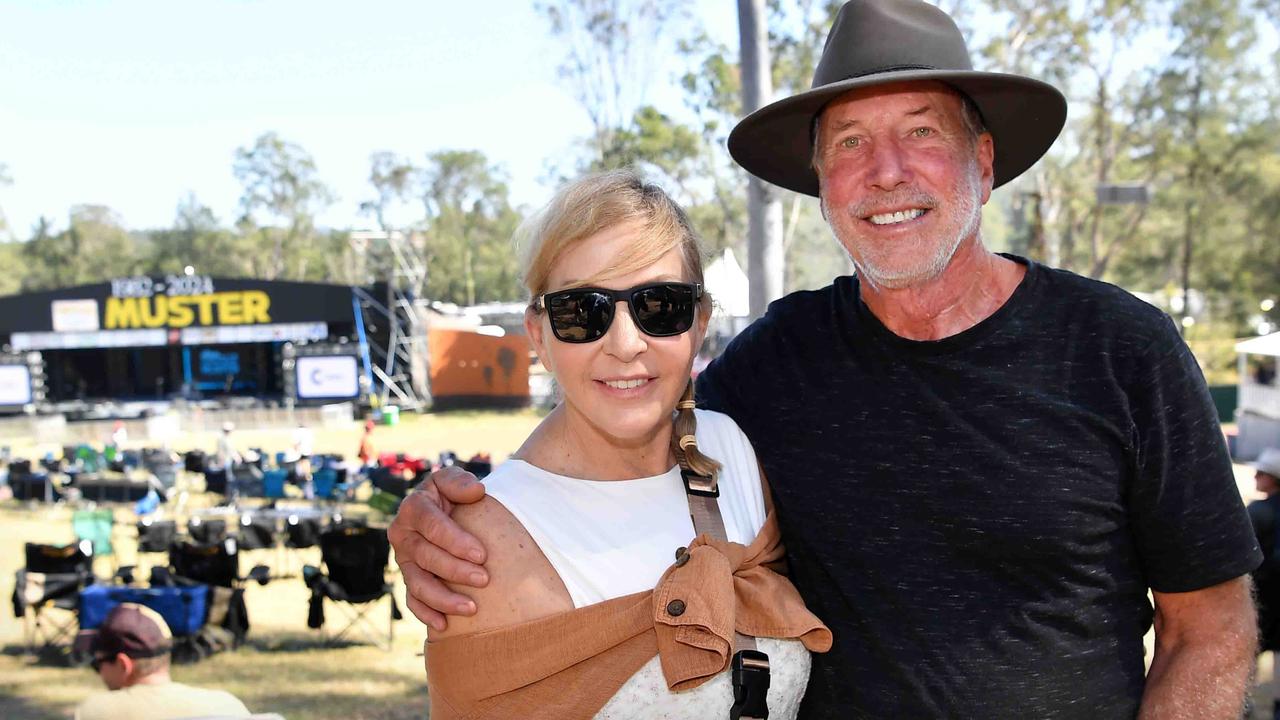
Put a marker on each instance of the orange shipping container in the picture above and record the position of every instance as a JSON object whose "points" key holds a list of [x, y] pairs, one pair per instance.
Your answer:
{"points": [[470, 369]]}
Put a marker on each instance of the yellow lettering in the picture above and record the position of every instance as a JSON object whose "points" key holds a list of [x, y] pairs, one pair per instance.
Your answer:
{"points": [[122, 313], [256, 305], [155, 312], [180, 313], [206, 308], [230, 309]]}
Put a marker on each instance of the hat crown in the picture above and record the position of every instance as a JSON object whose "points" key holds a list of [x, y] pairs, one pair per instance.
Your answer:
{"points": [[873, 36]]}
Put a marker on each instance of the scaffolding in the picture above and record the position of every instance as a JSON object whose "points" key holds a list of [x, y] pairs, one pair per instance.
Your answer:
{"points": [[398, 356]]}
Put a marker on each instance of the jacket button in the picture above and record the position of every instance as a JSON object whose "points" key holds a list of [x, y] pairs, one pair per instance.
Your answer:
{"points": [[682, 557], [682, 550], [675, 608]]}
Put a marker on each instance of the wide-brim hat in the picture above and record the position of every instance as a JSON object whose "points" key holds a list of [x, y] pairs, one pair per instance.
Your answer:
{"points": [[1268, 462], [876, 42]]}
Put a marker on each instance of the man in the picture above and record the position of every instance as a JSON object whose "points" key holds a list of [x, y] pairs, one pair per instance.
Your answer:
{"points": [[131, 651], [1264, 514], [229, 457], [303, 447], [981, 465]]}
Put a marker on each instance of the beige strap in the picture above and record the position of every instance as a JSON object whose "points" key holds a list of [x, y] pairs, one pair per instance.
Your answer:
{"points": [[705, 511]]}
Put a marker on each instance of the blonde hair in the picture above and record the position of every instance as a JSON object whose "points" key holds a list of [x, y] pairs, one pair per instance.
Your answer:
{"points": [[596, 203]]}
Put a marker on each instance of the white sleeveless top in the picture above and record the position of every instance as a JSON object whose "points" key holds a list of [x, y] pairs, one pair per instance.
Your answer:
{"points": [[615, 538]]}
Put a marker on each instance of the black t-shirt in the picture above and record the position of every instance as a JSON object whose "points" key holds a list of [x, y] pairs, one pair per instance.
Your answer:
{"points": [[978, 518]]}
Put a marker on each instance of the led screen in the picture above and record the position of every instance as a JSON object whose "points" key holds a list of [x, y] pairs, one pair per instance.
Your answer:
{"points": [[15, 385], [327, 376]]}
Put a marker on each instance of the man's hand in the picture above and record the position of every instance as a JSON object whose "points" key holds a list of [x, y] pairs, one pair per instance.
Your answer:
{"points": [[431, 549]]}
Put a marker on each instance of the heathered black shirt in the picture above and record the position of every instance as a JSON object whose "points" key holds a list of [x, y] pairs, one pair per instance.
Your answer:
{"points": [[978, 518]]}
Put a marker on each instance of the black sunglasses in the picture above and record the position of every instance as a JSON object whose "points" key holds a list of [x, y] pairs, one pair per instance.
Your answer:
{"points": [[582, 315], [97, 662]]}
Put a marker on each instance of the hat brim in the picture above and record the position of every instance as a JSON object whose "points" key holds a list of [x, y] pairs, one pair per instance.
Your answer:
{"points": [[1023, 115]]}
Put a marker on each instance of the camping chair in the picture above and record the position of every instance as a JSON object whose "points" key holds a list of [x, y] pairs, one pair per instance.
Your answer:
{"points": [[273, 483], [46, 591], [155, 536], [325, 480], [96, 526], [207, 530], [218, 566], [256, 531], [355, 558]]}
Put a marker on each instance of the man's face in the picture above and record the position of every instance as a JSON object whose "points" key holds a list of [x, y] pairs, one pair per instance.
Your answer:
{"points": [[1266, 484], [902, 180], [112, 669]]}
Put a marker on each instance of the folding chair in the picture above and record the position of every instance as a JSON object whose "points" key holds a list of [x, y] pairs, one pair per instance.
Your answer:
{"points": [[155, 536], [46, 592], [273, 483], [218, 566], [256, 531], [355, 558], [325, 480], [207, 530], [96, 526]]}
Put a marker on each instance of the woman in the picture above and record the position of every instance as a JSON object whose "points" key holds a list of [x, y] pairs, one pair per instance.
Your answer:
{"points": [[589, 612]]}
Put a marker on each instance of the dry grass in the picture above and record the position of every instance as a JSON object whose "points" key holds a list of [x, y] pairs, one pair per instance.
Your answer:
{"points": [[285, 667]]}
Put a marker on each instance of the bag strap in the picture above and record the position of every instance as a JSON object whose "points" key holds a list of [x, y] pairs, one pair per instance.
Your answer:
{"points": [[750, 667]]}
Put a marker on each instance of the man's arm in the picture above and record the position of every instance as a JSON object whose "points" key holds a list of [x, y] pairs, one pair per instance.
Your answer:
{"points": [[430, 547], [1206, 646]]}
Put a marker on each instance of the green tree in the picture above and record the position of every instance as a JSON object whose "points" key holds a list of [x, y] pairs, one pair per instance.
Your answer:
{"points": [[198, 240], [94, 247], [469, 224], [282, 194]]}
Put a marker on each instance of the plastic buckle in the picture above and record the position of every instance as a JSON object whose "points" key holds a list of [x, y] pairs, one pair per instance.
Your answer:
{"points": [[700, 485], [750, 686]]}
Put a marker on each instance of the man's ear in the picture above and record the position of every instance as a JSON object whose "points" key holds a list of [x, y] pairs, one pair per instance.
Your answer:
{"points": [[986, 150], [127, 666], [533, 328]]}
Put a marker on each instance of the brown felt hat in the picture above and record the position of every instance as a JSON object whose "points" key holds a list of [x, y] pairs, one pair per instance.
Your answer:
{"points": [[876, 42]]}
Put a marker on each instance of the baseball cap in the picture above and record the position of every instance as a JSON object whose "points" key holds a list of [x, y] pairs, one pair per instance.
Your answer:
{"points": [[133, 629]]}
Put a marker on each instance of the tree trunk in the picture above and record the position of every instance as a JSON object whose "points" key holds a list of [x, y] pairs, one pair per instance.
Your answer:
{"points": [[765, 258]]}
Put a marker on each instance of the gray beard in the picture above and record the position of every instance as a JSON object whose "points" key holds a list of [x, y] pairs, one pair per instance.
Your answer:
{"points": [[969, 215]]}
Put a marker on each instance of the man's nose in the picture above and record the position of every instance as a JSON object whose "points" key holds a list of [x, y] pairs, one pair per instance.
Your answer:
{"points": [[888, 165]]}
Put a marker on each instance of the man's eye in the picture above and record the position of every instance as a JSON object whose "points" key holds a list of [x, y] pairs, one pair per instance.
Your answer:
{"points": [[922, 132], [851, 142]]}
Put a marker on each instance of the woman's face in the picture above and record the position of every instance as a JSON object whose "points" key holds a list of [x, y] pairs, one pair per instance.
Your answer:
{"points": [[626, 383]]}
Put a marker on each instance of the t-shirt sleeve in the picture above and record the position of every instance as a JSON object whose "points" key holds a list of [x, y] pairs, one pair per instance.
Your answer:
{"points": [[1190, 524]]}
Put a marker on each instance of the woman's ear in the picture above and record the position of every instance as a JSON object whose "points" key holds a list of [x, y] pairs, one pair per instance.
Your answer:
{"points": [[533, 328], [705, 308]]}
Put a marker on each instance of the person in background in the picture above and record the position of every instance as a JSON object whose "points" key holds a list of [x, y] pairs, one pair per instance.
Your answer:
{"points": [[304, 446], [229, 457], [131, 653], [1266, 579], [366, 454]]}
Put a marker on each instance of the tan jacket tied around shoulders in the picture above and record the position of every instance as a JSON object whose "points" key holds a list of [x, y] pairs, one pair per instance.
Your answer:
{"points": [[568, 665]]}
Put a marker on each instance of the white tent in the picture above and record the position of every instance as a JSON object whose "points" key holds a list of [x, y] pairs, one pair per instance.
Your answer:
{"points": [[1258, 404], [728, 286], [1265, 345]]}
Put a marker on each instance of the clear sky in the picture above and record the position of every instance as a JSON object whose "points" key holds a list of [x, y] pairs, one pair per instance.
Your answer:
{"points": [[132, 104]]}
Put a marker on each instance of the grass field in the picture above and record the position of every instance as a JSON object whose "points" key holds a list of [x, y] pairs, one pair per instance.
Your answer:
{"points": [[285, 667]]}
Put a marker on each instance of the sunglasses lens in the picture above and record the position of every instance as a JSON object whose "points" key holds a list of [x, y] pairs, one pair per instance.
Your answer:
{"points": [[664, 309], [579, 315]]}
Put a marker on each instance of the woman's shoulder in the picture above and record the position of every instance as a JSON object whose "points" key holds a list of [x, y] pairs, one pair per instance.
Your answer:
{"points": [[522, 586]]}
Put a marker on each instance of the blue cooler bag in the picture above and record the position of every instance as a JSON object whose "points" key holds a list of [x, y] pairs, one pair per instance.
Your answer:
{"points": [[182, 607]]}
